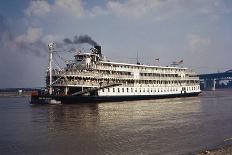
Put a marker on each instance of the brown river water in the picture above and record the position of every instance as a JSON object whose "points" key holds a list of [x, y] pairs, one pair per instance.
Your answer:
{"points": [[162, 126]]}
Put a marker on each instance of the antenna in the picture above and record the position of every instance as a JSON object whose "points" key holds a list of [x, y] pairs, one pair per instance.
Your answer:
{"points": [[137, 58]]}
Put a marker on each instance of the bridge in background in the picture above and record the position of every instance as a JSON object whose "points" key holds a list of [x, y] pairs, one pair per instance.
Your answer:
{"points": [[209, 81]]}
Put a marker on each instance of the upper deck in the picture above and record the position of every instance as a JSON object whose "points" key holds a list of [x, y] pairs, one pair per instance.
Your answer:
{"points": [[95, 65], [116, 66]]}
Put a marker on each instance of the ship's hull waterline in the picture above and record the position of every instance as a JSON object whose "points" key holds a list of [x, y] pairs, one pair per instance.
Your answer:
{"points": [[45, 99]]}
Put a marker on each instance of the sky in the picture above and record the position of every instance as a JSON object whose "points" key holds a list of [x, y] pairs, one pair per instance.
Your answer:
{"points": [[199, 32]]}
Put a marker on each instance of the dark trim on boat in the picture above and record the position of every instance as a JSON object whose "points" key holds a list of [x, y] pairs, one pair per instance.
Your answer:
{"points": [[43, 99]]}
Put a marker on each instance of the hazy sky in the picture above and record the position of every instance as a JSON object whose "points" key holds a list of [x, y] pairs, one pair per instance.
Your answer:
{"points": [[197, 31]]}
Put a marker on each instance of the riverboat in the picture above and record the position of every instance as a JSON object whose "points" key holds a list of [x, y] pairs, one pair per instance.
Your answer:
{"points": [[91, 78]]}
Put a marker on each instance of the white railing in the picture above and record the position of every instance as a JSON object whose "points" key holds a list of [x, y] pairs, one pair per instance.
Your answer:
{"points": [[117, 76]]}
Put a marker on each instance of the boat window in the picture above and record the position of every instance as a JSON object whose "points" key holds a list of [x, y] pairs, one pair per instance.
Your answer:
{"points": [[122, 89], [127, 89], [113, 89], [118, 90], [79, 57], [108, 89]]}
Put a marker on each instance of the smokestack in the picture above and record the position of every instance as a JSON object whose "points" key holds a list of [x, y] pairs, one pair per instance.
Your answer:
{"points": [[98, 48]]}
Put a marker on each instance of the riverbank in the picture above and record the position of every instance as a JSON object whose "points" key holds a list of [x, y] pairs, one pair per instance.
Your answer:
{"points": [[14, 94], [220, 151]]}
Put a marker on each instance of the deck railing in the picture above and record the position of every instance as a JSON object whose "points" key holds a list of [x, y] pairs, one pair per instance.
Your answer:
{"points": [[118, 76]]}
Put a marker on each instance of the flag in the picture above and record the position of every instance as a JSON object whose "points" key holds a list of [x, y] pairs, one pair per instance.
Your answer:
{"points": [[181, 61]]}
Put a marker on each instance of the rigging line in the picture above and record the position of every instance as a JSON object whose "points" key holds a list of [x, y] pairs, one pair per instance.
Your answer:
{"points": [[70, 51], [63, 74], [56, 59], [56, 63], [56, 80], [65, 61]]}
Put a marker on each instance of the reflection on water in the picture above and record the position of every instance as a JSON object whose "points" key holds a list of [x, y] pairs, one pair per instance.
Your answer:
{"points": [[83, 117], [165, 126]]}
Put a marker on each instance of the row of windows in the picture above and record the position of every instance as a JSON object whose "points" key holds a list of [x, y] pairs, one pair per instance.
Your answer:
{"points": [[142, 68], [131, 90], [158, 75], [166, 82], [192, 88]]}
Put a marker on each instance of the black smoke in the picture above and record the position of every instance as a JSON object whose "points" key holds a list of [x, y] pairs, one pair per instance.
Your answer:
{"points": [[68, 41], [80, 40]]}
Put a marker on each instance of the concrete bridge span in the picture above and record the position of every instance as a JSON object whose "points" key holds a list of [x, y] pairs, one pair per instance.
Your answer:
{"points": [[209, 81]]}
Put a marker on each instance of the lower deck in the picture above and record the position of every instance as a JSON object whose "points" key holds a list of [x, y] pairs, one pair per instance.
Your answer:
{"points": [[147, 90], [125, 90], [43, 99]]}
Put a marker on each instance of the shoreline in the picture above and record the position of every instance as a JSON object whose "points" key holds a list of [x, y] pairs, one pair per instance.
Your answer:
{"points": [[226, 150], [14, 94]]}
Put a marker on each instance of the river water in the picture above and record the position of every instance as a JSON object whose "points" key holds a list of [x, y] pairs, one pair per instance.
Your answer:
{"points": [[163, 126]]}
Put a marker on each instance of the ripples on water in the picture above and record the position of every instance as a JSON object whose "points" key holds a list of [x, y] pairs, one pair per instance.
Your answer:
{"points": [[164, 126]]}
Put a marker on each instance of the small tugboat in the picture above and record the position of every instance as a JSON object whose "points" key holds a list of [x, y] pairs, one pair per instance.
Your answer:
{"points": [[90, 78]]}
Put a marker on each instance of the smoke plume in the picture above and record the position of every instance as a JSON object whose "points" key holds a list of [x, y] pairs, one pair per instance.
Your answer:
{"points": [[80, 40]]}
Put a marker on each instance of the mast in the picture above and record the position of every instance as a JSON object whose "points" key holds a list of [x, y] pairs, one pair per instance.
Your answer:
{"points": [[51, 48]]}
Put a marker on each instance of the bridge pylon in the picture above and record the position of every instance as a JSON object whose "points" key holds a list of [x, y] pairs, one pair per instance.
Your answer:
{"points": [[209, 84]]}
